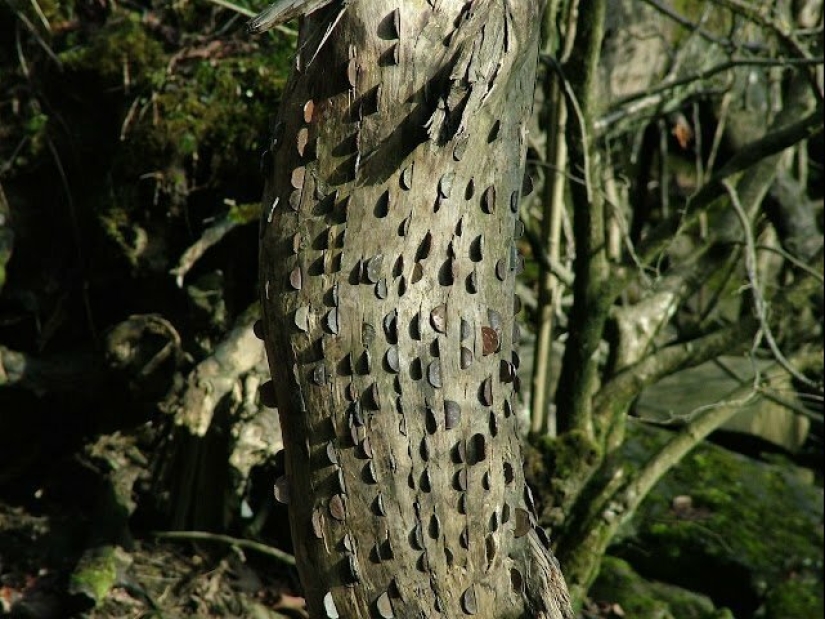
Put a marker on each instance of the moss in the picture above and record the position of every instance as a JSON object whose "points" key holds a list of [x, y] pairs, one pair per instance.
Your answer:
{"points": [[566, 454], [244, 213], [157, 115], [192, 121], [740, 502], [203, 106], [206, 124], [740, 528], [123, 46], [716, 20], [796, 598], [560, 468], [618, 584], [97, 572], [223, 104], [557, 469]]}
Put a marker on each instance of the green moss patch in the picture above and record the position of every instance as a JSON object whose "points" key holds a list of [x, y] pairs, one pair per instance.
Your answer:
{"points": [[621, 589], [731, 527]]}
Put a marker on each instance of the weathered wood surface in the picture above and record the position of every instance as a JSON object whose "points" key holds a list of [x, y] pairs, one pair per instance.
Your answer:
{"points": [[388, 263]]}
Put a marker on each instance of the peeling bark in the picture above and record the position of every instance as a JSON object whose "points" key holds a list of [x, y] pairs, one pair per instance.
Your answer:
{"points": [[388, 265]]}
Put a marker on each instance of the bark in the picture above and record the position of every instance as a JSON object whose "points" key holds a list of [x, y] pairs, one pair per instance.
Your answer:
{"points": [[593, 289], [388, 265]]}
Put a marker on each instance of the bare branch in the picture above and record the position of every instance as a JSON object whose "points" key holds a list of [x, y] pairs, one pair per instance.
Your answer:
{"points": [[768, 145], [686, 23], [703, 421], [211, 237], [757, 16], [652, 99], [622, 389], [783, 32], [248, 544], [616, 395], [756, 290]]}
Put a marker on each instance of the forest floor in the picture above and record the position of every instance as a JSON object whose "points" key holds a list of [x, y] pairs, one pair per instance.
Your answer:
{"points": [[71, 548], [46, 574], [42, 578]]}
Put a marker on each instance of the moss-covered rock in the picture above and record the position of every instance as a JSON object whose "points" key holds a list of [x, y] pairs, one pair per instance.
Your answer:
{"points": [[619, 586], [799, 597], [97, 572], [735, 529]]}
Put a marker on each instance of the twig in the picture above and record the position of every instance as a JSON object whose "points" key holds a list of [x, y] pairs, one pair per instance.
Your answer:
{"points": [[564, 275], [21, 57], [702, 421], [556, 170], [617, 394], [616, 211], [719, 133], [654, 96], [794, 261], [45, 46], [756, 290], [210, 237], [573, 101], [769, 144], [686, 23], [664, 171], [728, 271], [6, 165], [226, 4], [728, 370], [757, 150], [698, 146], [41, 16], [782, 32], [617, 500], [78, 236], [205, 536], [799, 409], [127, 120], [683, 52], [240, 10]]}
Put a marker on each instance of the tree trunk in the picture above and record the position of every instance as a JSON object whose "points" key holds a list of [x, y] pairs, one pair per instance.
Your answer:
{"points": [[388, 262]]}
